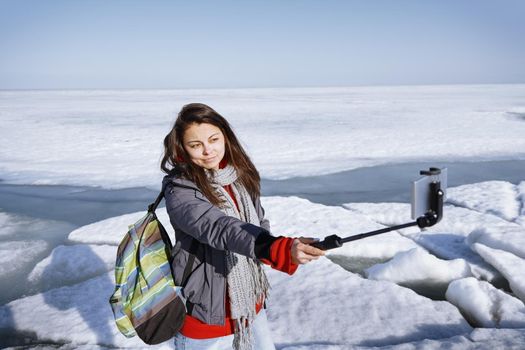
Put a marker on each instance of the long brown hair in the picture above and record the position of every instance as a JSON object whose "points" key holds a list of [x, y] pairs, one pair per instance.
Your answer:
{"points": [[175, 156]]}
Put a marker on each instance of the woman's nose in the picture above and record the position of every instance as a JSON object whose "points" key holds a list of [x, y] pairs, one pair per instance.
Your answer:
{"points": [[206, 149]]}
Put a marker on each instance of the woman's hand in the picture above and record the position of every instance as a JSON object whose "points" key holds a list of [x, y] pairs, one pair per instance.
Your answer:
{"points": [[302, 252]]}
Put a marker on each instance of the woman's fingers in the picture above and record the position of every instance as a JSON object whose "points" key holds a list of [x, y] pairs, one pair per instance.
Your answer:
{"points": [[308, 248], [303, 253], [307, 240]]}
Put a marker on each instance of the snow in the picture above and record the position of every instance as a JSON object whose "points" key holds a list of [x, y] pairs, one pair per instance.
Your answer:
{"points": [[510, 266], [446, 239], [521, 198], [478, 339], [417, 266], [84, 306], [333, 306], [485, 305], [17, 255], [293, 216], [503, 248], [78, 314], [510, 238], [457, 220], [496, 197], [111, 231], [388, 214], [71, 264], [5, 224], [114, 138], [16, 227]]}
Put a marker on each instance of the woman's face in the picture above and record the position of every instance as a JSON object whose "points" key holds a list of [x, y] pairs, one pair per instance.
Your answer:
{"points": [[205, 145]]}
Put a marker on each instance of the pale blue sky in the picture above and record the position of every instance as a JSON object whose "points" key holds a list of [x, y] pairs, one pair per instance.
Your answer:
{"points": [[209, 44]]}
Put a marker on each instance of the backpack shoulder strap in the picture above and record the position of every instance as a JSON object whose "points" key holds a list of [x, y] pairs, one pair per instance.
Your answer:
{"points": [[193, 248], [153, 206]]}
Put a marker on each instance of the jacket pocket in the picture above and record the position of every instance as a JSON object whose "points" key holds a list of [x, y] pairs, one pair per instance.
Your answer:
{"points": [[197, 289]]}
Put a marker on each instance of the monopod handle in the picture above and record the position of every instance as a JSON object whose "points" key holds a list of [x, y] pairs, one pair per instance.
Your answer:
{"points": [[330, 242]]}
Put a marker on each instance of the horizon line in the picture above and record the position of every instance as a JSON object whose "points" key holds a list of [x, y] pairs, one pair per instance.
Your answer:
{"points": [[255, 87]]}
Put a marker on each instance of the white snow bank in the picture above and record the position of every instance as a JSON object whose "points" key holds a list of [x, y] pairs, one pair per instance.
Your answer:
{"points": [[521, 198], [485, 305], [511, 266], [72, 264], [17, 255], [324, 304], [451, 246], [495, 197], [320, 297], [79, 314], [508, 238], [418, 266], [112, 230], [293, 216]]}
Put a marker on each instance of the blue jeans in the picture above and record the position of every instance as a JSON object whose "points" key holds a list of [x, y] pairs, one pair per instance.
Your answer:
{"points": [[261, 336]]}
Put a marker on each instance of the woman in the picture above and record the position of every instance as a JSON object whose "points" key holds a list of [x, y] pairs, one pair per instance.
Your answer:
{"points": [[212, 194]]}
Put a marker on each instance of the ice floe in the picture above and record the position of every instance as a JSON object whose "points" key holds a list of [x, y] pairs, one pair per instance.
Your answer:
{"points": [[486, 306], [418, 265], [510, 266], [446, 239], [510, 238], [80, 314], [334, 306], [322, 297], [77, 315], [495, 197], [521, 197], [71, 264], [16, 255], [16, 227]]}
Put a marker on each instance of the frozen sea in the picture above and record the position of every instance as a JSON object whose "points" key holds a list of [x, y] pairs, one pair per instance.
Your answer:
{"points": [[76, 167]]}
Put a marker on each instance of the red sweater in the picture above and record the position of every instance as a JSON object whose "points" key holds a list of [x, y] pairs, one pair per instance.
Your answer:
{"points": [[280, 259]]}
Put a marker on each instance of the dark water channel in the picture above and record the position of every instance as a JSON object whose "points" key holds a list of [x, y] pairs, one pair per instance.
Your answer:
{"points": [[80, 205]]}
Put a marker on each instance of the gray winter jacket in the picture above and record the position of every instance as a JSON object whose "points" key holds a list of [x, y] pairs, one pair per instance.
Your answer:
{"points": [[193, 216]]}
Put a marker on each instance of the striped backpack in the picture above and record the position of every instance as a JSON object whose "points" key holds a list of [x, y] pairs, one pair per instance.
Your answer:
{"points": [[146, 301]]}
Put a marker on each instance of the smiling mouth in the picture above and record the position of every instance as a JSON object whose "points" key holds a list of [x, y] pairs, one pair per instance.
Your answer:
{"points": [[210, 159]]}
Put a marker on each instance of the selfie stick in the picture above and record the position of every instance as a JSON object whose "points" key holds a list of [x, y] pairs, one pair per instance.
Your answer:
{"points": [[430, 218]]}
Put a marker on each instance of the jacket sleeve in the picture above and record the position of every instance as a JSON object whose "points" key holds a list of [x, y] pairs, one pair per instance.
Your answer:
{"points": [[279, 255], [190, 211], [260, 211]]}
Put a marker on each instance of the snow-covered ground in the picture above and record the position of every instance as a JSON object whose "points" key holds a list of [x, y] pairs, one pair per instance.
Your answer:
{"points": [[329, 304], [97, 137], [408, 289]]}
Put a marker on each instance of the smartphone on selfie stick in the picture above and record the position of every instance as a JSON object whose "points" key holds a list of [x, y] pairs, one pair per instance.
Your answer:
{"points": [[428, 195]]}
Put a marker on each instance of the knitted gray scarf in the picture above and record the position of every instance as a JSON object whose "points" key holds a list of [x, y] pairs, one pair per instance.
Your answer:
{"points": [[247, 282]]}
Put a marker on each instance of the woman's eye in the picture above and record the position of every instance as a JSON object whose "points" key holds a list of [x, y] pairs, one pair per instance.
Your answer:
{"points": [[215, 139], [194, 146]]}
